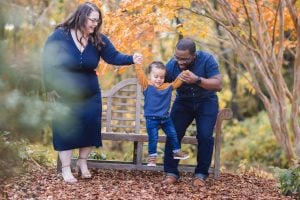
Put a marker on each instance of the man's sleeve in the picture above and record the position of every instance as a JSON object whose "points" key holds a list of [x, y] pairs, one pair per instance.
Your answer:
{"points": [[211, 67]]}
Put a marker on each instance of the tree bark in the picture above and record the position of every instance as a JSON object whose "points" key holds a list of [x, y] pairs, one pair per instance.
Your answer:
{"points": [[295, 113]]}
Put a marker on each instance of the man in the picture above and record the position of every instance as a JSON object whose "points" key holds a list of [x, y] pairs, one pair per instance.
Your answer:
{"points": [[195, 99]]}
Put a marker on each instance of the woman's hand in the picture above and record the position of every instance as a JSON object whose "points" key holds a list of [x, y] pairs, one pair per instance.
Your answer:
{"points": [[137, 58], [52, 96]]}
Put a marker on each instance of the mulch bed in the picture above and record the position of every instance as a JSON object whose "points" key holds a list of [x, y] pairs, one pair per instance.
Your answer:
{"points": [[118, 185]]}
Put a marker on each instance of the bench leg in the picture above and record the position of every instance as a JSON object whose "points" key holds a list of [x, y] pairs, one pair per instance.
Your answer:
{"points": [[58, 165], [217, 156], [137, 153]]}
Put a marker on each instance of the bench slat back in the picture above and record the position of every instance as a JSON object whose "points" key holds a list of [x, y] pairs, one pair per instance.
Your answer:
{"points": [[122, 109]]}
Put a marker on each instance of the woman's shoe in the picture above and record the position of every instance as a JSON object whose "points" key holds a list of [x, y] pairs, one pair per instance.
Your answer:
{"points": [[82, 168], [67, 174]]}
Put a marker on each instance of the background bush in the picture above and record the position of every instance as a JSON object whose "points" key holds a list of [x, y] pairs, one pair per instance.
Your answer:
{"points": [[251, 140]]}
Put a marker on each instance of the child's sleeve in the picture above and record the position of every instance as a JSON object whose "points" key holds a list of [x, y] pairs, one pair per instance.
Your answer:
{"points": [[177, 83], [141, 76]]}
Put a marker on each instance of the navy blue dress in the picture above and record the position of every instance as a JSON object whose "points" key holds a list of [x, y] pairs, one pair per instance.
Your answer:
{"points": [[71, 73]]}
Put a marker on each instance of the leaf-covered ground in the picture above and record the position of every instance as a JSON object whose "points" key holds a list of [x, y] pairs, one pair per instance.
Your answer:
{"points": [[117, 185]]}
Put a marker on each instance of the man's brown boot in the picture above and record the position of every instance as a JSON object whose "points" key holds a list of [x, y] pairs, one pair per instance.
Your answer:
{"points": [[169, 180], [198, 182]]}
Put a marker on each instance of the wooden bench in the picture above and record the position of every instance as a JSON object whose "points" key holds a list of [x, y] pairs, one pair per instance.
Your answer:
{"points": [[123, 120]]}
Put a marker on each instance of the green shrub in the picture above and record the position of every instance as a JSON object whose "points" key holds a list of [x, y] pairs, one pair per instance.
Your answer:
{"points": [[251, 140], [289, 180]]}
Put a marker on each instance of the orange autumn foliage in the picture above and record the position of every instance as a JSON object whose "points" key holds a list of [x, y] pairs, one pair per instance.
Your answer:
{"points": [[135, 26]]}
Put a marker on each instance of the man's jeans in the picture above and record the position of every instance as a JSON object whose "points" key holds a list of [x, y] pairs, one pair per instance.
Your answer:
{"points": [[152, 125], [183, 112]]}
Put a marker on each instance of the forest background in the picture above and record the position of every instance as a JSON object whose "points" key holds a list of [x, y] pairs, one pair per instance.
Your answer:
{"points": [[255, 42]]}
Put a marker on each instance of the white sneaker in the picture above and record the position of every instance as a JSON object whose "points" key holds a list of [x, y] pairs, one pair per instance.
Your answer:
{"points": [[152, 161], [180, 155]]}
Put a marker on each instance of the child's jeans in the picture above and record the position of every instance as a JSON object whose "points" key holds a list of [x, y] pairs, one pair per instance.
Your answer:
{"points": [[152, 125]]}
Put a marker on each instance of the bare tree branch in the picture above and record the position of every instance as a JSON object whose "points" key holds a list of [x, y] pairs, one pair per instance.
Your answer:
{"points": [[249, 21]]}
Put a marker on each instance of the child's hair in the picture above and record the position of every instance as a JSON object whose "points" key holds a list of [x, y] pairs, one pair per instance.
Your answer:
{"points": [[156, 64]]}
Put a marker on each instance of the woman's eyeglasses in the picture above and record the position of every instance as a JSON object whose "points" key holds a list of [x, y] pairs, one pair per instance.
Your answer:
{"points": [[97, 21]]}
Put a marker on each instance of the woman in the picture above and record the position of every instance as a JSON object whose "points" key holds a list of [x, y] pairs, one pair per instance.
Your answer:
{"points": [[71, 55]]}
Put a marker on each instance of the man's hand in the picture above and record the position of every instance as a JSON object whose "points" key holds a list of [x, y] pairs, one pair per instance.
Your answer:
{"points": [[188, 77]]}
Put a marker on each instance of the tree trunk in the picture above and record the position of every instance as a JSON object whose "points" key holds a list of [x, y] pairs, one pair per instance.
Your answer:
{"points": [[295, 110], [295, 101], [281, 137]]}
